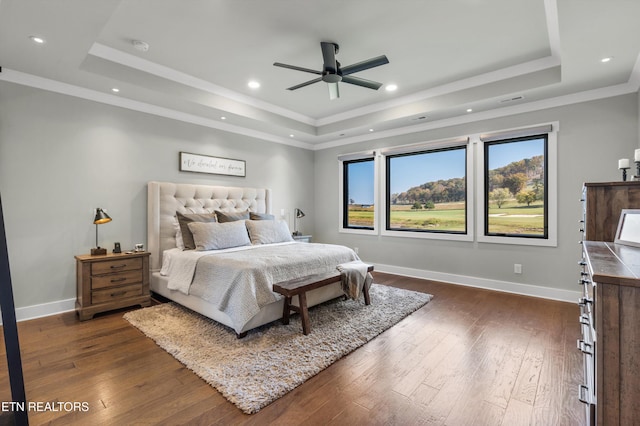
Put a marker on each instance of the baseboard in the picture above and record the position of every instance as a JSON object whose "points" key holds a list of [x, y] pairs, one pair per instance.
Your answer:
{"points": [[44, 310], [504, 286], [60, 306]]}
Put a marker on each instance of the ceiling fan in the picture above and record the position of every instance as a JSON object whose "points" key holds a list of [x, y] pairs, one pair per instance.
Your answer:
{"points": [[332, 73]]}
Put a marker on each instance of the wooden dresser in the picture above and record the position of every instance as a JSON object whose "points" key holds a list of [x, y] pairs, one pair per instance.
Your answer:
{"points": [[613, 270], [609, 307], [110, 282], [603, 203]]}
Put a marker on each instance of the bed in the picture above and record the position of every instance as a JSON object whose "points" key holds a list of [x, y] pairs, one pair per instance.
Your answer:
{"points": [[273, 262]]}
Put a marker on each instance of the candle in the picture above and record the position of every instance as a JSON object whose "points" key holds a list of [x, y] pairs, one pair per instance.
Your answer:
{"points": [[637, 155], [623, 163]]}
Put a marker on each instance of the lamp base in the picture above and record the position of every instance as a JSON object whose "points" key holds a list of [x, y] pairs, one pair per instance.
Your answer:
{"points": [[98, 251]]}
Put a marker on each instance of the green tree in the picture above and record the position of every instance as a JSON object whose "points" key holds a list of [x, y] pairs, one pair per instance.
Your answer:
{"points": [[416, 206], [515, 182], [429, 205], [526, 197], [500, 196]]}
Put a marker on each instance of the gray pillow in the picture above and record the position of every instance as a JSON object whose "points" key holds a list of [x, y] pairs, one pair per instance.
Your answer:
{"points": [[185, 219], [217, 236], [268, 231], [261, 216], [224, 217]]}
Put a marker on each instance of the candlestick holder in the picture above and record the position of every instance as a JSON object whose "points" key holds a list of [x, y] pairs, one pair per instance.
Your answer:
{"points": [[624, 173]]}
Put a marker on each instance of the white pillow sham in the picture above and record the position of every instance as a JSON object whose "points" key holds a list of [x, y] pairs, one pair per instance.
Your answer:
{"points": [[268, 231], [216, 236]]}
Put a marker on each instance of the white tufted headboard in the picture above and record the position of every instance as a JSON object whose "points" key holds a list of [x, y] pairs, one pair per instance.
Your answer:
{"points": [[165, 199]]}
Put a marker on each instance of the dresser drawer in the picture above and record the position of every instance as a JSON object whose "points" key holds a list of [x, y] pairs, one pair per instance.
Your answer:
{"points": [[116, 293], [116, 265], [111, 280]]}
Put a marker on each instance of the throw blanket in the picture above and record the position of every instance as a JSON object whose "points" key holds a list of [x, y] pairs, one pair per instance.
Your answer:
{"points": [[240, 283], [354, 278]]}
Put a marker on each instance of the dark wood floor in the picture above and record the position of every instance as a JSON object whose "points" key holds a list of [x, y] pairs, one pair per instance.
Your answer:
{"points": [[469, 357]]}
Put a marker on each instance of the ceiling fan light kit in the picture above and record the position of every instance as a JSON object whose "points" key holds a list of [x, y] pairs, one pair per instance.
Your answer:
{"points": [[332, 73]]}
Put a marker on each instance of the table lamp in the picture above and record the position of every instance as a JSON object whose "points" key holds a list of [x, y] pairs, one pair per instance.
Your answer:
{"points": [[101, 217], [298, 214]]}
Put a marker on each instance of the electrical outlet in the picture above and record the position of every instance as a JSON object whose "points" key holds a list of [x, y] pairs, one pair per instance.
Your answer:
{"points": [[517, 268]]}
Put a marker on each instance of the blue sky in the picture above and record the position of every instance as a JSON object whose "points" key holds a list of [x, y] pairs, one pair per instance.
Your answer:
{"points": [[414, 170]]}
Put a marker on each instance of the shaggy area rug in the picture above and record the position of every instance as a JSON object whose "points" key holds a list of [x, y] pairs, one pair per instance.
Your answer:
{"points": [[273, 359]]}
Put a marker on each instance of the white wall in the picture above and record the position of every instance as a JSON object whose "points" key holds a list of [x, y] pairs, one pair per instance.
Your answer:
{"points": [[60, 157], [592, 137]]}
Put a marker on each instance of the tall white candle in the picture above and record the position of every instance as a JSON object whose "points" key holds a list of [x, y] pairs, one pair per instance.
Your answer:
{"points": [[623, 163], [637, 155]]}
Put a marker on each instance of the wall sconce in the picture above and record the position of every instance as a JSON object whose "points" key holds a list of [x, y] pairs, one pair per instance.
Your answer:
{"points": [[297, 214], [101, 217]]}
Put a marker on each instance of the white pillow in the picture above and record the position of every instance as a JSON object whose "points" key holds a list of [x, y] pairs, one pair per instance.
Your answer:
{"points": [[178, 231], [217, 236], [268, 231]]}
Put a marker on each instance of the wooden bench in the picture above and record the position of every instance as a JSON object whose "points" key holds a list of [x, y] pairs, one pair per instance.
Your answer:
{"points": [[300, 286]]}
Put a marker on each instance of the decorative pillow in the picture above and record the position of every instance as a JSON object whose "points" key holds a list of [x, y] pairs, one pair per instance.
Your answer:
{"points": [[185, 219], [261, 216], [268, 231], [216, 236], [224, 217]]}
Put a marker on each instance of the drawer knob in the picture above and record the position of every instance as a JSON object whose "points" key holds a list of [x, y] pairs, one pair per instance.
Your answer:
{"points": [[118, 293], [581, 394], [118, 280]]}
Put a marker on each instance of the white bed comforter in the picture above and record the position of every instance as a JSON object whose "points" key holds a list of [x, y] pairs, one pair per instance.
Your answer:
{"points": [[239, 281]]}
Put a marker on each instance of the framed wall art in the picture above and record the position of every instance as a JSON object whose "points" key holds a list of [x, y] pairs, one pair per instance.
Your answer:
{"points": [[214, 165]]}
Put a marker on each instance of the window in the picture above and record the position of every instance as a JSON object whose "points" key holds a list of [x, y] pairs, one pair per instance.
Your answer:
{"points": [[519, 186], [358, 194], [427, 191], [516, 187]]}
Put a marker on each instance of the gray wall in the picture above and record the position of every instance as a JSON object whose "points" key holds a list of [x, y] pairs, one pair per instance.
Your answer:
{"points": [[592, 137], [60, 157]]}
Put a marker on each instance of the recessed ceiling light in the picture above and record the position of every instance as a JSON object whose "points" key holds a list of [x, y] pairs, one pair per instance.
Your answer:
{"points": [[253, 84], [223, 118], [115, 90], [291, 136], [391, 87], [36, 39], [469, 110], [371, 130], [607, 59]]}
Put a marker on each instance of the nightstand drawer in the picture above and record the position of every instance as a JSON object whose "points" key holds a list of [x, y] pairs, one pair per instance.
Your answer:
{"points": [[116, 293], [116, 265], [128, 277]]}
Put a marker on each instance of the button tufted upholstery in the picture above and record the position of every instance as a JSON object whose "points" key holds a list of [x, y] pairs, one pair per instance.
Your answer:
{"points": [[165, 199]]}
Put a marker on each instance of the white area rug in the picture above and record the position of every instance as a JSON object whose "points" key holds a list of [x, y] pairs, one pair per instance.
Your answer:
{"points": [[274, 359]]}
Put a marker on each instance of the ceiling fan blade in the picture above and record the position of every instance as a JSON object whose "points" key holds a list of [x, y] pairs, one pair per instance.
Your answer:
{"points": [[361, 82], [334, 91], [306, 83], [365, 65], [329, 56], [293, 67]]}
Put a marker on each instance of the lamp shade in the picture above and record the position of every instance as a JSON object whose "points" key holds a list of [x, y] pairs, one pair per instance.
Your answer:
{"points": [[101, 217], [299, 213]]}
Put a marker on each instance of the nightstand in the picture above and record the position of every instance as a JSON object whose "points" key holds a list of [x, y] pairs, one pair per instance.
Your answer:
{"points": [[302, 238], [111, 281]]}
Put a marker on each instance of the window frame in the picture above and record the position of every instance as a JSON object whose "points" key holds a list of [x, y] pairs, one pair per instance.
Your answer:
{"points": [[551, 188], [437, 146], [343, 205]]}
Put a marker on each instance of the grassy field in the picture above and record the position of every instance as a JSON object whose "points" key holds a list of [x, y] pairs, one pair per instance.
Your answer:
{"points": [[512, 218]]}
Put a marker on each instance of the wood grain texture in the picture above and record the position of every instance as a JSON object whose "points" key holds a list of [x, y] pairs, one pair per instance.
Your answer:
{"points": [[604, 201], [469, 357]]}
